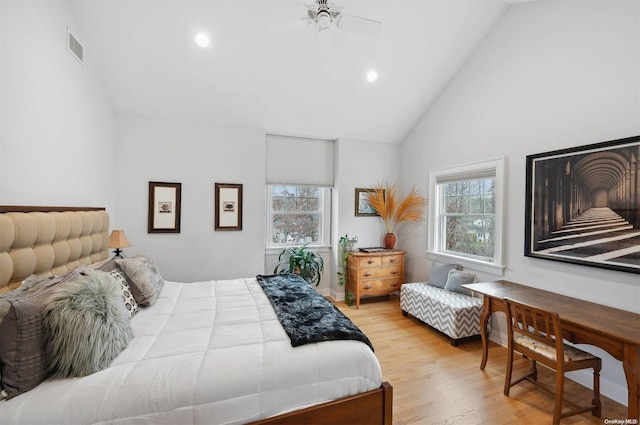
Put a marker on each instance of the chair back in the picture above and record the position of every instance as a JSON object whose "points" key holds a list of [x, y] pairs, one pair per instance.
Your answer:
{"points": [[536, 323]]}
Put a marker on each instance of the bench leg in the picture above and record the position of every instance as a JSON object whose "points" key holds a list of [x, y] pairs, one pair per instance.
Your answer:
{"points": [[404, 313]]}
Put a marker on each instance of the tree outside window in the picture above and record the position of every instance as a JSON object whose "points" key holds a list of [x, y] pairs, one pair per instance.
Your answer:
{"points": [[296, 214], [467, 217]]}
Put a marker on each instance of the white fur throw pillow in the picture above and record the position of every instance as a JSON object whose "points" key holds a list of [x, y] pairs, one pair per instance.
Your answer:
{"points": [[86, 325]]}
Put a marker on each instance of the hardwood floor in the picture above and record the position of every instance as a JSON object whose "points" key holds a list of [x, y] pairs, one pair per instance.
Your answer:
{"points": [[436, 383]]}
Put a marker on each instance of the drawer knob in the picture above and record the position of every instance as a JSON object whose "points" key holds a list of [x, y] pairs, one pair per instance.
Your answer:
{"points": [[370, 261], [366, 287], [367, 274], [394, 272], [392, 260], [395, 284]]}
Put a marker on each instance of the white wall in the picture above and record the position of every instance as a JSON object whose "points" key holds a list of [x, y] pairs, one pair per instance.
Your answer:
{"points": [[58, 130], [198, 155], [360, 164], [550, 75]]}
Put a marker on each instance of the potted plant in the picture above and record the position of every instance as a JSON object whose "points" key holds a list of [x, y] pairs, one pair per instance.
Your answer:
{"points": [[385, 199], [302, 261], [345, 244]]}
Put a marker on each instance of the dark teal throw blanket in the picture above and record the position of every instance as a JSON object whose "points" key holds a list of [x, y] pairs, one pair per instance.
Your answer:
{"points": [[305, 315]]}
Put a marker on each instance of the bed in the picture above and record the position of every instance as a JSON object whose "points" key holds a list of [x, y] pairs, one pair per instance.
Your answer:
{"points": [[203, 352]]}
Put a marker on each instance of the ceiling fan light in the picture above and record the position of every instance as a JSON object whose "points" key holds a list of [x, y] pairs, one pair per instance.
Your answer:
{"points": [[323, 20]]}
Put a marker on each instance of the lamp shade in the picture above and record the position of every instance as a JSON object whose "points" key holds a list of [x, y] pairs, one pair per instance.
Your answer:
{"points": [[118, 240]]}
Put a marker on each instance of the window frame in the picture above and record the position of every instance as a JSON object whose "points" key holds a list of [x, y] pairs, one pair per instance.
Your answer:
{"points": [[435, 231], [324, 210]]}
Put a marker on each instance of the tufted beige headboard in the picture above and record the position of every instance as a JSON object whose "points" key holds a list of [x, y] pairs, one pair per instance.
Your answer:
{"points": [[49, 240]]}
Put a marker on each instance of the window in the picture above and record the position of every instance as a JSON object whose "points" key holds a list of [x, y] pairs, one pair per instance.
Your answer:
{"points": [[298, 215], [299, 177], [467, 213], [465, 223]]}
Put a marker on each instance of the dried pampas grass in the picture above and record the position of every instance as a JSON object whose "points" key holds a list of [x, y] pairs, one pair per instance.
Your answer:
{"points": [[385, 199]]}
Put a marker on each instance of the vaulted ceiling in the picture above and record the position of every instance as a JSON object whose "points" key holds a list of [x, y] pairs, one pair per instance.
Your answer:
{"points": [[259, 71]]}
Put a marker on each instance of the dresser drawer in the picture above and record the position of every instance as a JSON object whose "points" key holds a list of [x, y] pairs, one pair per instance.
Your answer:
{"points": [[382, 286], [389, 260], [373, 273], [369, 262]]}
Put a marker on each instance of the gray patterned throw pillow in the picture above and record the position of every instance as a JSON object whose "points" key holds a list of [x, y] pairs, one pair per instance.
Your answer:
{"points": [[22, 342], [144, 277]]}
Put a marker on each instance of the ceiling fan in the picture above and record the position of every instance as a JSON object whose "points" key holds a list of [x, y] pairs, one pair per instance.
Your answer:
{"points": [[324, 14]]}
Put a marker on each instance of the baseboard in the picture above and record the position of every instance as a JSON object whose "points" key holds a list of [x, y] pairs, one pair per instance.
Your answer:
{"points": [[325, 292]]}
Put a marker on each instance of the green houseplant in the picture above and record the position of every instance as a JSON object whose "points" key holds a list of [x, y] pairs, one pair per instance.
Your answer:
{"points": [[345, 244], [302, 261]]}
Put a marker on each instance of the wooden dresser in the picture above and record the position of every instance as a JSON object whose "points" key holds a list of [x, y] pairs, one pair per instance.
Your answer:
{"points": [[374, 273]]}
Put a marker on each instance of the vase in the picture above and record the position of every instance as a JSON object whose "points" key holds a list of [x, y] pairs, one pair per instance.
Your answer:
{"points": [[389, 240]]}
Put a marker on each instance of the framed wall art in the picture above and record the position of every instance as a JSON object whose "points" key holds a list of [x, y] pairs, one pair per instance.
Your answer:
{"points": [[583, 205], [164, 207], [228, 205], [363, 209]]}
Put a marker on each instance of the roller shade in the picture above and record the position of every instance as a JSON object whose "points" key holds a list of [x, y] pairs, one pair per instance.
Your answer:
{"points": [[485, 173], [299, 161]]}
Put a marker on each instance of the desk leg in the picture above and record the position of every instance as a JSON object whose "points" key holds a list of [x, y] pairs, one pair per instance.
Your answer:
{"points": [[484, 321], [631, 364]]}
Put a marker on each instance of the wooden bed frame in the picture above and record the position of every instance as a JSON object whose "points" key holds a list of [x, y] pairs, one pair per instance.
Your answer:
{"points": [[373, 407]]}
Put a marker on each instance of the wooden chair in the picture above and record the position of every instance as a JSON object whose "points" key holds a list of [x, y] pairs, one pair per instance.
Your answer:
{"points": [[537, 335]]}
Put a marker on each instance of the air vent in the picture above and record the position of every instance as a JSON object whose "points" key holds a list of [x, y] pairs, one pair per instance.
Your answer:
{"points": [[74, 47]]}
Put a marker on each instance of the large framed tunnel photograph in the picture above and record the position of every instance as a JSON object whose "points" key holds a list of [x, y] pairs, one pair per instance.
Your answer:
{"points": [[583, 205]]}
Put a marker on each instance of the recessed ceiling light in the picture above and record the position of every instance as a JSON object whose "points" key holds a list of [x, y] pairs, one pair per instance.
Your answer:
{"points": [[202, 40], [372, 76]]}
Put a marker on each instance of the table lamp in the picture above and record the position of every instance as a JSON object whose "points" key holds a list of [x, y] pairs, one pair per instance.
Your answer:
{"points": [[118, 240]]}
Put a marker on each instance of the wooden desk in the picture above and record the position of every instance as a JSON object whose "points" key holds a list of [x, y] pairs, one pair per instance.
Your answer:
{"points": [[615, 331]]}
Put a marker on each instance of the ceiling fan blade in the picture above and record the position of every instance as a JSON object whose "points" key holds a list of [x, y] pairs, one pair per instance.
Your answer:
{"points": [[289, 26], [359, 25]]}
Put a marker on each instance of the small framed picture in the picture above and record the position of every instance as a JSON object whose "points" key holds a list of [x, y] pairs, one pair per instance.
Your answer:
{"points": [[363, 209], [164, 207], [228, 205]]}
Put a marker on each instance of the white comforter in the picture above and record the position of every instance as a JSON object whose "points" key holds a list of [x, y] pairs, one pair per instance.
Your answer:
{"points": [[205, 353]]}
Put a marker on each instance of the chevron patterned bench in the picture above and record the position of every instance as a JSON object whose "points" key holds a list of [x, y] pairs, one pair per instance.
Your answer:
{"points": [[454, 314]]}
